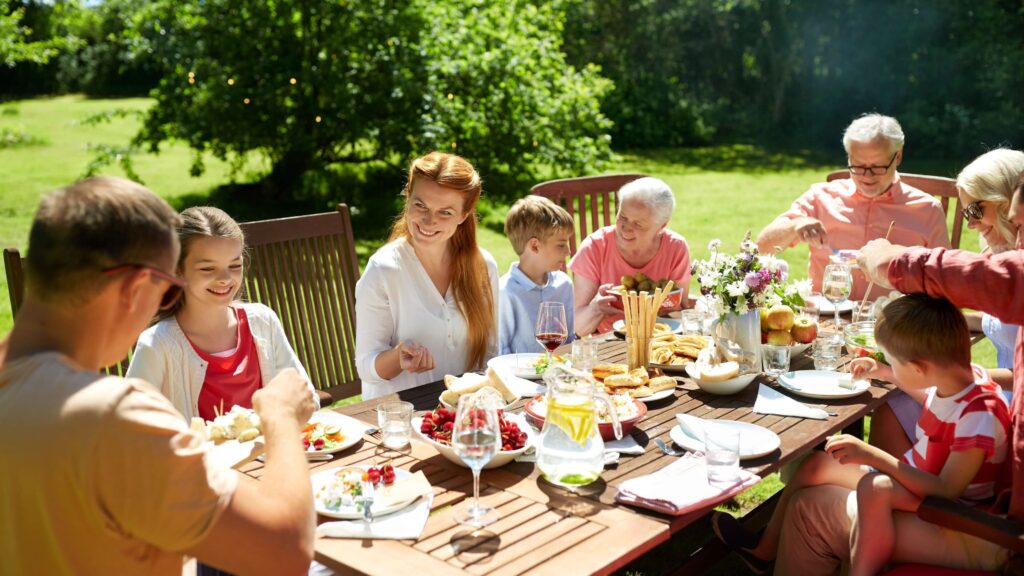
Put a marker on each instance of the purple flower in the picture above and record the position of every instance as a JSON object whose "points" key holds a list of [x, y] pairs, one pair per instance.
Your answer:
{"points": [[753, 279]]}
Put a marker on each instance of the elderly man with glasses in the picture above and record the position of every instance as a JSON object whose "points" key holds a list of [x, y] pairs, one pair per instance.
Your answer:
{"points": [[846, 214]]}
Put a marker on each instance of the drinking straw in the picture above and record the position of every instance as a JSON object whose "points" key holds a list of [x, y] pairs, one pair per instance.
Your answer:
{"points": [[871, 285]]}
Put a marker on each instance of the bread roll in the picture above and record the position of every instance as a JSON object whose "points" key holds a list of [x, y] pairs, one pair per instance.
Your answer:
{"points": [[495, 380], [640, 376], [621, 381], [719, 372], [602, 371], [659, 383]]}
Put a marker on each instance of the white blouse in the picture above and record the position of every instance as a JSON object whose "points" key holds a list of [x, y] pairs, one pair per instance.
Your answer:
{"points": [[397, 301]]}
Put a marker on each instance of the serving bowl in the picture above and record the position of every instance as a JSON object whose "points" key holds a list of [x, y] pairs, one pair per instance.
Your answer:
{"points": [[672, 301], [860, 339], [535, 412], [500, 458], [722, 387]]}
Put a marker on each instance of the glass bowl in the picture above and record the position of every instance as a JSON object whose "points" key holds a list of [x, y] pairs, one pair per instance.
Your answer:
{"points": [[860, 340]]}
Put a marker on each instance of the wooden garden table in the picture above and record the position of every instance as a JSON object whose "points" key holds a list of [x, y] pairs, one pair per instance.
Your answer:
{"points": [[545, 529]]}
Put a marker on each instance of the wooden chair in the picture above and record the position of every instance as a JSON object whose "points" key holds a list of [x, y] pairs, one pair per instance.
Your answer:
{"points": [[591, 200], [943, 188], [14, 267], [305, 268]]}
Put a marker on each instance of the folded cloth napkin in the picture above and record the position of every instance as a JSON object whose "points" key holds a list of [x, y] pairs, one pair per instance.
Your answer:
{"points": [[627, 445], [405, 524], [681, 487], [771, 401], [694, 427]]}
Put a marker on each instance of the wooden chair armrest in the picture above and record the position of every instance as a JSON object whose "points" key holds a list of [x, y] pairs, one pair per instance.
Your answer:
{"points": [[1005, 532]]}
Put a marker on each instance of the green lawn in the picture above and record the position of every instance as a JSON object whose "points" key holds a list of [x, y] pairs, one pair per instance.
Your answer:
{"points": [[722, 192]]}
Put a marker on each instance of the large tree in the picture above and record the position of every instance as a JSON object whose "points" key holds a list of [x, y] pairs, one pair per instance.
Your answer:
{"points": [[315, 84]]}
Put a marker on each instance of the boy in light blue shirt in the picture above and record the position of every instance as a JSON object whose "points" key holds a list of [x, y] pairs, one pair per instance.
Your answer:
{"points": [[539, 231]]}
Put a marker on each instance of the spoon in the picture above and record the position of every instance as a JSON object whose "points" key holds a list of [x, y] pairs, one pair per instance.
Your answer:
{"points": [[667, 449]]}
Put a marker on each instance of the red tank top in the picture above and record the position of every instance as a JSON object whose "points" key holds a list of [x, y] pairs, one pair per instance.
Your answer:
{"points": [[233, 379]]}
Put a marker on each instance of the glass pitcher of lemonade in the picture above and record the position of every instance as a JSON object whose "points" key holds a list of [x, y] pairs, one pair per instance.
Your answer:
{"points": [[570, 451]]}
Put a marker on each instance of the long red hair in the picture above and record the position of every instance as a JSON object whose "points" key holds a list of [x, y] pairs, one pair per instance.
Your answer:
{"points": [[470, 283]]}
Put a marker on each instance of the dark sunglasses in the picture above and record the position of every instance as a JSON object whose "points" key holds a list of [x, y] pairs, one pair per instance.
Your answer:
{"points": [[972, 211], [175, 285], [873, 170]]}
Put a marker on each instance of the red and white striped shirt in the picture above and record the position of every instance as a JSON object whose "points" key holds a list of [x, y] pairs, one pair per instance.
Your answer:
{"points": [[975, 417]]}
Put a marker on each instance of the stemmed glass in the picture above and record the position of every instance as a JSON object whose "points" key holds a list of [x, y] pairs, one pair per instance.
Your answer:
{"points": [[476, 438], [551, 328], [836, 284]]}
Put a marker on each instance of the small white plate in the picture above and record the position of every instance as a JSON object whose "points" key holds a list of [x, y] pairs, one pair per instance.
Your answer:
{"points": [[520, 365], [352, 431], [351, 512], [755, 441], [674, 325], [820, 384], [826, 307], [657, 395]]}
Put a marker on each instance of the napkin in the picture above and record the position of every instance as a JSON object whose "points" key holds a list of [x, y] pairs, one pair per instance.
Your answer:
{"points": [[771, 401], [405, 524], [694, 427], [681, 487], [627, 445]]}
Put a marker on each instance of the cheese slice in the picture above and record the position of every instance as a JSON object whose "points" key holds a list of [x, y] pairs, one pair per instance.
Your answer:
{"points": [[495, 380]]}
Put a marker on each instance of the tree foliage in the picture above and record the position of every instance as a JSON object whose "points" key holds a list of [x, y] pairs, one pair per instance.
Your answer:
{"points": [[312, 85], [16, 42]]}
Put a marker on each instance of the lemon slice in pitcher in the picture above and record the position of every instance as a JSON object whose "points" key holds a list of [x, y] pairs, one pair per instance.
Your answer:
{"points": [[575, 418]]}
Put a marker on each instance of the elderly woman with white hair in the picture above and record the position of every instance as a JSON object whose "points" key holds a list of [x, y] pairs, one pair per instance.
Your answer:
{"points": [[638, 242], [845, 214]]}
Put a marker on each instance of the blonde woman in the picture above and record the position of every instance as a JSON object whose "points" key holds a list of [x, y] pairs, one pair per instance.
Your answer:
{"points": [[425, 305]]}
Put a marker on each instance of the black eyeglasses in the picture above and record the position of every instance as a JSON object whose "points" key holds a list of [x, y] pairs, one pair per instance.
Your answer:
{"points": [[873, 170], [972, 211], [173, 292]]}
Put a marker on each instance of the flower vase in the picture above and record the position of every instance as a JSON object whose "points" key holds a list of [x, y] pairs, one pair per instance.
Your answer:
{"points": [[745, 330]]}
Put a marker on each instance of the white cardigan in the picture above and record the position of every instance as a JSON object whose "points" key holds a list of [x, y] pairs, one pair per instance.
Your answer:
{"points": [[165, 358], [397, 301]]}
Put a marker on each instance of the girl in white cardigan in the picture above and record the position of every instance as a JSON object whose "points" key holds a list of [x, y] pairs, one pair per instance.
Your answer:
{"points": [[210, 352]]}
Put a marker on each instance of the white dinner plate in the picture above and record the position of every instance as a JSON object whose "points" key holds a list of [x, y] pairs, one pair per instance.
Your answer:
{"points": [[820, 384], [755, 441], [352, 431], [657, 395], [673, 324], [826, 307], [520, 365], [351, 512]]}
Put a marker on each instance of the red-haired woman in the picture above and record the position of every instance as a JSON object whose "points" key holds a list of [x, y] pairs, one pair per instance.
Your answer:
{"points": [[425, 305]]}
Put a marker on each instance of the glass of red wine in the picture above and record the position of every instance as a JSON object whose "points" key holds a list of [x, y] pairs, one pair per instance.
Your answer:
{"points": [[551, 329]]}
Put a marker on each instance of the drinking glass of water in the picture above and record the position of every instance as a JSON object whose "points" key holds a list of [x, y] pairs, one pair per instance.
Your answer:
{"points": [[836, 284], [828, 351], [722, 455], [476, 438], [775, 359], [395, 421]]}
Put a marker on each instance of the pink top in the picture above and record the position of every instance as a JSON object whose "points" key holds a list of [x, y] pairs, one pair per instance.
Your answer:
{"points": [[852, 219], [599, 260], [987, 282]]}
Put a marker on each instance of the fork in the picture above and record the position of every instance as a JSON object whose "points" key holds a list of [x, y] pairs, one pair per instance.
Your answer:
{"points": [[668, 450]]}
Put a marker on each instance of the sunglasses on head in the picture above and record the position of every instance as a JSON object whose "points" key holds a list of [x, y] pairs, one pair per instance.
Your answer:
{"points": [[175, 285], [972, 211]]}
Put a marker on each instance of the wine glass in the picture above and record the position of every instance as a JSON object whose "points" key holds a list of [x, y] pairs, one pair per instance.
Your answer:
{"points": [[551, 329], [836, 283], [476, 438]]}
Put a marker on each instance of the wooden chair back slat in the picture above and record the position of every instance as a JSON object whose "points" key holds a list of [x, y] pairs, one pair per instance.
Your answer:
{"points": [[305, 268], [590, 200], [942, 188], [14, 265]]}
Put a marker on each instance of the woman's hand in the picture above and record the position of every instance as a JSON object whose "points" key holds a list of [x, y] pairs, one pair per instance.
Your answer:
{"points": [[870, 368], [602, 301], [848, 449], [413, 357]]}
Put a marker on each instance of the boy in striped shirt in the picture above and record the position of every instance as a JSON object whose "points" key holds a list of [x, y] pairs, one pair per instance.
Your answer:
{"points": [[959, 451]]}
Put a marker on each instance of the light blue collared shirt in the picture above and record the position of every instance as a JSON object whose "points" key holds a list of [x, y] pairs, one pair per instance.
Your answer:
{"points": [[519, 303]]}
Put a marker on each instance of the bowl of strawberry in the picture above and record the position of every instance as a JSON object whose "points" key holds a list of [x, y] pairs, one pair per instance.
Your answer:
{"points": [[435, 428]]}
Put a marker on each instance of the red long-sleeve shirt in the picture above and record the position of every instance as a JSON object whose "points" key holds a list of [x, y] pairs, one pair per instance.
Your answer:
{"points": [[990, 283]]}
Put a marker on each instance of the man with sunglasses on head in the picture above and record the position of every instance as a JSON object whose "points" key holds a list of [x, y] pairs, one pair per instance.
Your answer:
{"points": [[100, 475], [846, 214]]}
